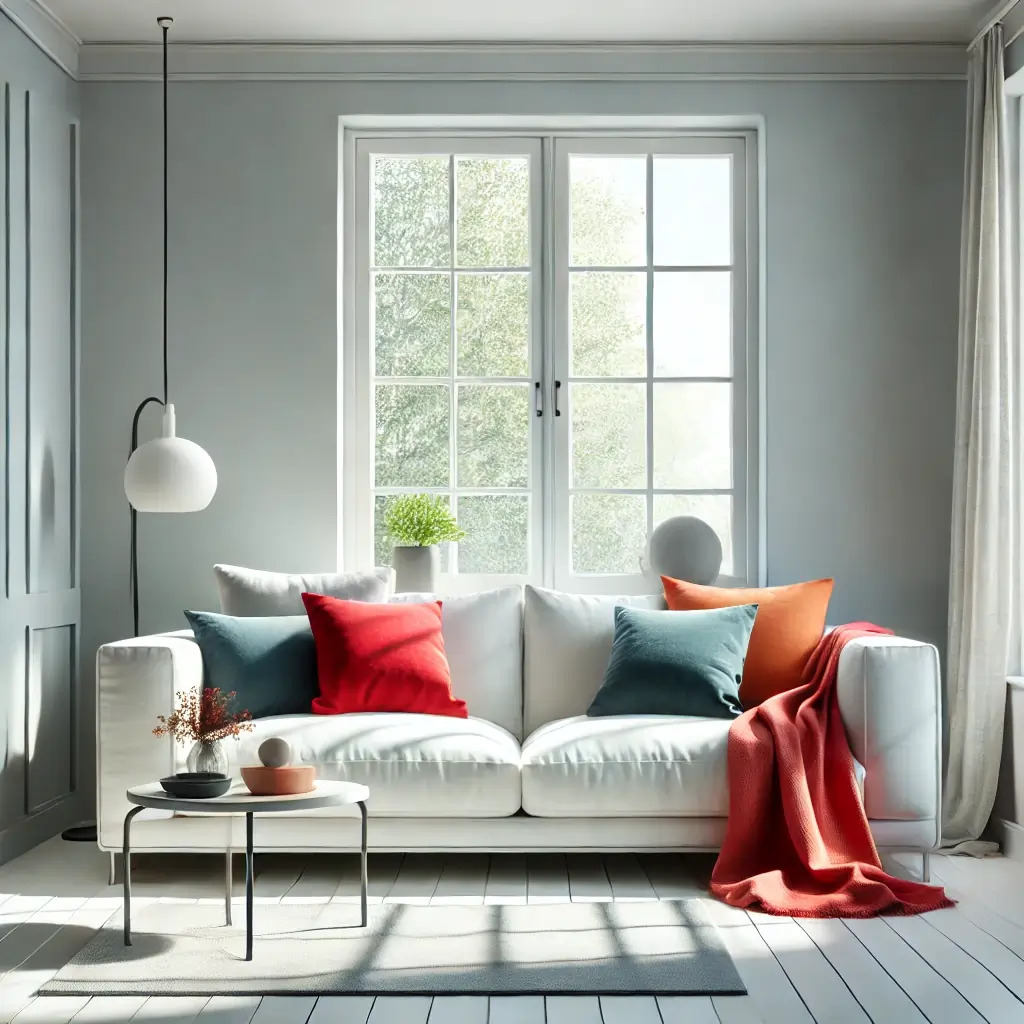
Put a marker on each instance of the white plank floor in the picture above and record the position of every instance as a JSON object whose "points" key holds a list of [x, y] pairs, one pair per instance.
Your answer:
{"points": [[954, 966]]}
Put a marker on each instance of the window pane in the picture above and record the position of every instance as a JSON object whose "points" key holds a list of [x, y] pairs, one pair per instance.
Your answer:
{"points": [[410, 211], [714, 509], [493, 323], [608, 532], [609, 211], [693, 435], [692, 211], [494, 435], [412, 325], [609, 324], [412, 435], [693, 324], [608, 435], [492, 197], [497, 533]]}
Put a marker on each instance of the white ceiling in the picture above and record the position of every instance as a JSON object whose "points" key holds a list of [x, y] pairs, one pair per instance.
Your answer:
{"points": [[337, 21]]}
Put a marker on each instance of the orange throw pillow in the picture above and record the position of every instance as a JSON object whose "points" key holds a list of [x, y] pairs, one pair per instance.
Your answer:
{"points": [[790, 622]]}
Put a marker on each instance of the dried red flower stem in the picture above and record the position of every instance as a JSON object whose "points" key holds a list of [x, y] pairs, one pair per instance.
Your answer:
{"points": [[206, 716]]}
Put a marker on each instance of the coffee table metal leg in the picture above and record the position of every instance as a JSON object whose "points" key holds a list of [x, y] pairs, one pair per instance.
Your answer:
{"points": [[248, 886], [126, 856], [228, 886], [362, 854]]}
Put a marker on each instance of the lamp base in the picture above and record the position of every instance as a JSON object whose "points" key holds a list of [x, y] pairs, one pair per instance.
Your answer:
{"points": [[79, 834]]}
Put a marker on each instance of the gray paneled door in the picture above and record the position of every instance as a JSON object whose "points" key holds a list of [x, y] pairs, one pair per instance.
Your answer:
{"points": [[40, 603]]}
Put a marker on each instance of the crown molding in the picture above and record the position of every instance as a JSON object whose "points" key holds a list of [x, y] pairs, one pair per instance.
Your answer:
{"points": [[524, 62], [47, 31]]}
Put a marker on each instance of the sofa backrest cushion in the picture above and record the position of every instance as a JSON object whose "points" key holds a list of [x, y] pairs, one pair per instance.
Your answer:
{"points": [[483, 639], [567, 640], [257, 592]]}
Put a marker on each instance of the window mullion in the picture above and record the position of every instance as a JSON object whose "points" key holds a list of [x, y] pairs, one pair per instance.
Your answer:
{"points": [[649, 340], [453, 405]]}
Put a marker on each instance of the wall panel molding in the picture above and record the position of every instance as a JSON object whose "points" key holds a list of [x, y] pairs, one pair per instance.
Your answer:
{"points": [[47, 31], [40, 605], [5, 327], [51, 713], [99, 61], [524, 62]]}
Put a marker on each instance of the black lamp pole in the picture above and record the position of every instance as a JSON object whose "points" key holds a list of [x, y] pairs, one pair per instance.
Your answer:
{"points": [[165, 25]]}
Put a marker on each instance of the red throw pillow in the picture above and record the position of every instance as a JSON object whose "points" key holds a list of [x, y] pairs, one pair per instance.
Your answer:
{"points": [[380, 657]]}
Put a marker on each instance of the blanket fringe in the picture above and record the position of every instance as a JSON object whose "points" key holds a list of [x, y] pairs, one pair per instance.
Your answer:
{"points": [[895, 909]]}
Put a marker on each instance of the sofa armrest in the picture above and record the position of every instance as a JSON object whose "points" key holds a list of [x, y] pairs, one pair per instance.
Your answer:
{"points": [[888, 689], [136, 680]]}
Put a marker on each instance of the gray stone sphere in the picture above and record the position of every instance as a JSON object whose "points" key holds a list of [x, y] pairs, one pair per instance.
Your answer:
{"points": [[685, 548], [275, 753]]}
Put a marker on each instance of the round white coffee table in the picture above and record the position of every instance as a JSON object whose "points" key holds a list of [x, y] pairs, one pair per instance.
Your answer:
{"points": [[238, 800]]}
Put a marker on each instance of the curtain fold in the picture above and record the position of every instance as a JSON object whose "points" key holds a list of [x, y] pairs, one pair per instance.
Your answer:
{"points": [[985, 528]]}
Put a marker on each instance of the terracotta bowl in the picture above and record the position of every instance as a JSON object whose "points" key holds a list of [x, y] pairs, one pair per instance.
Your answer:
{"points": [[288, 781]]}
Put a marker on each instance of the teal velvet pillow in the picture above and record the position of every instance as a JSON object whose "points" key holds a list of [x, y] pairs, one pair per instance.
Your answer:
{"points": [[676, 663], [269, 661]]}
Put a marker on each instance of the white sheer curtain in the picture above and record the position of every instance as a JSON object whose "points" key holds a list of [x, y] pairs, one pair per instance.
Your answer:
{"points": [[984, 559]]}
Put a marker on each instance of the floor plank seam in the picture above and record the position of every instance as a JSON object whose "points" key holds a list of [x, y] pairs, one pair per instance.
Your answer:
{"points": [[920, 956], [895, 980], [828, 960], [782, 967], [884, 968], [992, 935], [967, 952]]}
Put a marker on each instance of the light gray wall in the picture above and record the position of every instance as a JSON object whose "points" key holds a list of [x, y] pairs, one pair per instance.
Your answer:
{"points": [[862, 199], [41, 735], [1014, 59], [1010, 797]]}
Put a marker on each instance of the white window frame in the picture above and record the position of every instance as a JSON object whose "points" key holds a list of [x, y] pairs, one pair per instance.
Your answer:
{"points": [[549, 522], [744, 401], [359, 500]]}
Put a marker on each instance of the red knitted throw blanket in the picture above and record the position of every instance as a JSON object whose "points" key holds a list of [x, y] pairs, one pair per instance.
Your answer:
{"points": [[798, 841]]}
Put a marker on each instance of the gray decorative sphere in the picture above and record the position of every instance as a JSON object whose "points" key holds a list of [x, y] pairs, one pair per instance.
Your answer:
{"points": [[275, 753], [685, 548]]}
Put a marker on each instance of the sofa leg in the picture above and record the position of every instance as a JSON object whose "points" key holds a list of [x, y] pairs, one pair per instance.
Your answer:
{"points": [[112, 876], [926, 867]]}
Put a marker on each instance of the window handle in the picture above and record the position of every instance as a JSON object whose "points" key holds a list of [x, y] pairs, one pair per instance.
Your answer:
{"points": [[558, 387], [538, 398]]}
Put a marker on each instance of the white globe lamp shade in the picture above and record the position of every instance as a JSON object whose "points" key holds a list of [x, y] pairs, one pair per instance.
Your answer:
{"points": [[685, 548], [170, 473]]}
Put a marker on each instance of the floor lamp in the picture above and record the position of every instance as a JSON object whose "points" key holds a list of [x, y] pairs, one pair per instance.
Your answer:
{"points": [[169, 473]]}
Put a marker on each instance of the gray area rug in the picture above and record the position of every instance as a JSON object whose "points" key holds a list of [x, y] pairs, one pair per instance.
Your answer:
{"points": [[649, 948]]}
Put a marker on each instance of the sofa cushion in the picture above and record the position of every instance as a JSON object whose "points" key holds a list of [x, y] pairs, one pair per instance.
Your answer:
{"points": [[483, 639], [417, 766], [256, 592], [639, 766], [645, 766], [567, 640], [269, 661], [675, 663]]}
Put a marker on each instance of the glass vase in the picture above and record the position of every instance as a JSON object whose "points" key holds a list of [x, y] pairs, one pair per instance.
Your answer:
{"points": [[208, 756]]}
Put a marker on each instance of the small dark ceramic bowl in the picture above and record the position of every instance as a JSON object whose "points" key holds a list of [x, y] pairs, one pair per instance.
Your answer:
{"points": [[196, 785]]}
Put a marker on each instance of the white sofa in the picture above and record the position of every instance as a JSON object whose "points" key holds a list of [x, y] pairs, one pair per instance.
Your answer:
{"points": [[528, 770]]}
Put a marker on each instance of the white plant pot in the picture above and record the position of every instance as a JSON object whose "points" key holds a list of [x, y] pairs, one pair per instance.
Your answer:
{"points": [[416, 568]]}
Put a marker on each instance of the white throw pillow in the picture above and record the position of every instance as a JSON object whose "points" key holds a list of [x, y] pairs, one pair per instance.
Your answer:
{"points": [[483, 639], [567, 640], [256, 592]]}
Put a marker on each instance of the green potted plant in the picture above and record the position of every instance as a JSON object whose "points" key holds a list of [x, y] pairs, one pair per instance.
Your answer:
{"points": [[416, 524]]}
